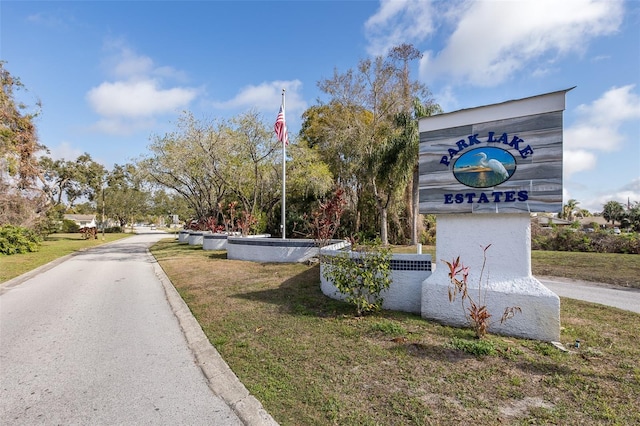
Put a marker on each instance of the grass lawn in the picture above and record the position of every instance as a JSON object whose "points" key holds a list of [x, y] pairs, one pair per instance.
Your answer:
{"points": [[310, 361], [54, 247], [608, 268]]}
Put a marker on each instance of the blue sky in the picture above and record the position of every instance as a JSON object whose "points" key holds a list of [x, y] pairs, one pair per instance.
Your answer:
{"points": [[112, 74]]}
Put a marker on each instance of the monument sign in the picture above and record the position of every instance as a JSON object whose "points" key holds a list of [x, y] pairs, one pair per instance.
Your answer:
{"points": [[501, 158]]}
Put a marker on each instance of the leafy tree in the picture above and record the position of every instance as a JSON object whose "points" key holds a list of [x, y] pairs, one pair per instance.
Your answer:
{"points": [[409, 138], [391, 161], [309, 179], [66, 182], [165, 203], [303, 164], [18, 138], [371, 95], [212, 164], [124, 198], [335, 131], [16, 240], [247, 168], [364, 127], [21, 200], [83, 208], [583, 213], [181, 161]]}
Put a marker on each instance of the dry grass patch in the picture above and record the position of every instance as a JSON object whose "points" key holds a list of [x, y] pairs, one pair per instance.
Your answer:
{"points": [[311, 362]]}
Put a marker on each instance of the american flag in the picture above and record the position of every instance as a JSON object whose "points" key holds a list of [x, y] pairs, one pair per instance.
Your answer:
{"points": [[281, 127]]}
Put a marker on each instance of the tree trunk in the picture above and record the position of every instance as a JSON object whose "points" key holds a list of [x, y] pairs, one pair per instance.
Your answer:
{"points": [[416, 204], [384, 237]]}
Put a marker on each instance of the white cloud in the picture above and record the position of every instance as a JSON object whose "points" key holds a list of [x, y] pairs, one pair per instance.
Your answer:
{"points": [[140, 91], [397, 22], [129, 65], [447, 99], [267, 97], [617, 105], [137, 98], [627, 193], [64, 151], [591, 136], [56, 20], [631, 192], [597, 128], [121, 126], [577, 161], [493, 40]]}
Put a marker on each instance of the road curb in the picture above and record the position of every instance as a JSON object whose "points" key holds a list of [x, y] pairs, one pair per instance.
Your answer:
{"points": [[222, 380]]}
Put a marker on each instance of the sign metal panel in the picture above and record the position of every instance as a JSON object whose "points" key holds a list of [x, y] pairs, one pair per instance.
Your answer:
{"points": [[501, 158]]}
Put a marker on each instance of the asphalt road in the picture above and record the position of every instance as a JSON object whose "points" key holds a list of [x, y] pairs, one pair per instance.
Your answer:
{"points": [[618, 297], [94, 340]]}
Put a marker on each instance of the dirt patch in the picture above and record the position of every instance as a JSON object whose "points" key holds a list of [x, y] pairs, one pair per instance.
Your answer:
{"points": [[520, 407]]}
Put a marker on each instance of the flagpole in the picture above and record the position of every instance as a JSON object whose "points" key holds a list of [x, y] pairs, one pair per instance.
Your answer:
{"points": [[284, 173]]}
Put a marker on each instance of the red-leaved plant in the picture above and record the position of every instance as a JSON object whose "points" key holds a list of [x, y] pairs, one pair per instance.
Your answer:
{"points": [[475, 310], [325, 220]]}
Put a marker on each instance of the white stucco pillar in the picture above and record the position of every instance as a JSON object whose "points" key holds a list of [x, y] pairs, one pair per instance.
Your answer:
{"points": [[507, 279]]}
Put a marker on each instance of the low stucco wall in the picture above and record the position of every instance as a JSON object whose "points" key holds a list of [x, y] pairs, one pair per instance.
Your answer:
{"points": [[214, 241], [408, 271], [196, 238], [258, 248], [183, 236]]}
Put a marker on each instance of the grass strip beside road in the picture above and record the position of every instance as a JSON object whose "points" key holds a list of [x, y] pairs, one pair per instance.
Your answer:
{"points": [[311, 362], [607, 268], [53, 247]]}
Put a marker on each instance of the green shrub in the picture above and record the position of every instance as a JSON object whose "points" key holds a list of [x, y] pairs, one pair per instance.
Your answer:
{"points": [[69, 226], [16, 239], [361, 275], [571, 240]]}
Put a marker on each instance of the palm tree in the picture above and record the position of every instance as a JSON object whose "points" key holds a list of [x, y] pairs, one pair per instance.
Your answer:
{"points": [[583, 213], [633, 212], [410, 136], [569, 209], [613, 211], [405, 53]]}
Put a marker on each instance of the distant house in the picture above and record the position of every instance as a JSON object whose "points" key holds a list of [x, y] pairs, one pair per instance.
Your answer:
{"points": [[545, 221], [82, 220], [588, 221]]}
